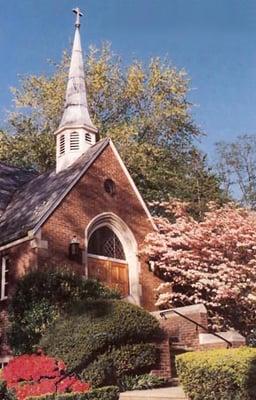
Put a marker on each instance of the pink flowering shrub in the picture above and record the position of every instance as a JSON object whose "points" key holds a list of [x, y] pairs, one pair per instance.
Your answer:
{"points": [[36, 375], [212, 261]]}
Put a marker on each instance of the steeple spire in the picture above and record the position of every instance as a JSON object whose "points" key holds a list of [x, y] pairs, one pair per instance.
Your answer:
{"points": [[76, 131]]}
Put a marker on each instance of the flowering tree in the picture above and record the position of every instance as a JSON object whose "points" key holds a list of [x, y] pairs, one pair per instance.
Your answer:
{"points": [[212, 261], [37, 374]]}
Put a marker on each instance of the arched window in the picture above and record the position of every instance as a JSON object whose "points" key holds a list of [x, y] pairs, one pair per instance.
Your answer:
{"points": [[104, 242], [74, 141], [62, 145]]}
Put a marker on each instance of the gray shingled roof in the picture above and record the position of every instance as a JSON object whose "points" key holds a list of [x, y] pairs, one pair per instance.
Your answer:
{"points": [[11, 178], [29, 204]]}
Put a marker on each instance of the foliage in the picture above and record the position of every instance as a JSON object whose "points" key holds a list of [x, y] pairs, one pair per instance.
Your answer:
{"points": [[212, 261], [219, 374], [143, 108], [34, 375], [251, 338], [40, 297], [104, 393], [99, 325], [236, 167], [115, 363], [140, 382], [5, 393]]}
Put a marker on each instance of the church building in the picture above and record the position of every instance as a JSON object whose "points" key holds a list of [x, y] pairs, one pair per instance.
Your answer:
{"points": [[86, 214]]}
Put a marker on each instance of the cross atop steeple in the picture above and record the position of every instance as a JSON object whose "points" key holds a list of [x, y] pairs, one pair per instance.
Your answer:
{"points": [[79, 14]]}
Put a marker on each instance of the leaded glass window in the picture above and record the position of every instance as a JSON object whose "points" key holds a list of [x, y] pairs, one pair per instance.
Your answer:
{"points": [[104, 242]]}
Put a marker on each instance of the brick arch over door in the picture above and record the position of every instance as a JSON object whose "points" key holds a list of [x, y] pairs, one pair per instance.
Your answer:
{"points": [[130, 247]]}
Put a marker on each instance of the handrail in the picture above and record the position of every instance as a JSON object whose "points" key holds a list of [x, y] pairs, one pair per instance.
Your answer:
{"points": [[171, 310]]}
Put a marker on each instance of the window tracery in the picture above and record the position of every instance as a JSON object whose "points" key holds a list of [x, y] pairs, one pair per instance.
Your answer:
{"points": [[104, 242]]}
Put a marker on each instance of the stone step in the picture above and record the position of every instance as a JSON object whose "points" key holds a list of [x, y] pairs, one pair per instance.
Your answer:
{"points": [[179, 346], [170, 393]]}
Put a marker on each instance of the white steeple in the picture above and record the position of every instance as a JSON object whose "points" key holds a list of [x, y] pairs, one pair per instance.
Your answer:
{"points": [[76, 132]]}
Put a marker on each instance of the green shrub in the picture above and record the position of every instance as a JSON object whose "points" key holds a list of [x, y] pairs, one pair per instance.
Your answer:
{"points": [[40, 297], [105, 393], [251, 338], [115, 363], [219, 374], [139, 382], [88, 330], [5, 394]]}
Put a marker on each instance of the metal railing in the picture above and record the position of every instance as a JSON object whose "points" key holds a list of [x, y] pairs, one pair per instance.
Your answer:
{"points": [[171, 310]]}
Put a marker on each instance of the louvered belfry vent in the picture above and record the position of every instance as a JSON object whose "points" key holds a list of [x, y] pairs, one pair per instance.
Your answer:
{"points": [[62, 144], [74, 141], [88, 137]]}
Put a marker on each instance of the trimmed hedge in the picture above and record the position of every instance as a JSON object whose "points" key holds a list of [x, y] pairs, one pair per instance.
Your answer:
{"points": [[140, 382], [219, 374], [88, 330], [127, 360], [39, 298], [105, 393]]}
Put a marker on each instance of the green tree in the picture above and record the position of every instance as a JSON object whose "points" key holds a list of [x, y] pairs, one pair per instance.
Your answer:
{"points": [[143, 108], [236, 167]]}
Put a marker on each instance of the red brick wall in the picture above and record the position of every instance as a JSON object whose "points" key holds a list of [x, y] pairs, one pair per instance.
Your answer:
{"points": [[88, 199]]}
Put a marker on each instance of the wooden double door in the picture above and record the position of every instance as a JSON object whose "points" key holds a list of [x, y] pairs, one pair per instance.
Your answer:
{"points": [[111, 272]]}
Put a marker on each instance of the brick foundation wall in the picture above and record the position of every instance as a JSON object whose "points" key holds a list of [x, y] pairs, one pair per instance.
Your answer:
{"points": [[182, 331], [185, 331], [185, 334]]}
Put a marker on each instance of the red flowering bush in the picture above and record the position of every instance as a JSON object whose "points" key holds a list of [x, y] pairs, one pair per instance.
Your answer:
{"points": [[37, 374]]}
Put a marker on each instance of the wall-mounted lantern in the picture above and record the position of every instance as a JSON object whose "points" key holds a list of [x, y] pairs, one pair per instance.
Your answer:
{"points": [[151, 266], [74, 252]]}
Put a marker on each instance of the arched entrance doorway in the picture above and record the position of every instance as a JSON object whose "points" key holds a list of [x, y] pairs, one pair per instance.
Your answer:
{"points": [[112, 255], [106, 260]]}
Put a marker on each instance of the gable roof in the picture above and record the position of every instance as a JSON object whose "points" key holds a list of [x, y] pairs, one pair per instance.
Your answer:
{"points": [[30, 203]]}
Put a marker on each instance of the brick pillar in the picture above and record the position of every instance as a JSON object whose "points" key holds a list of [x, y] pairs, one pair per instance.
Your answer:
{"points": [[163, 368]]}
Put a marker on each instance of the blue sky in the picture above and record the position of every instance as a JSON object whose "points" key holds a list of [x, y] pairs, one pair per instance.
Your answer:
{"points": [[214, 40]]}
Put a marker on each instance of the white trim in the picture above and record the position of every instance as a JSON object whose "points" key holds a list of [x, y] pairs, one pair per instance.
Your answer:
{"points": [[4, 283], [86, 127], [131, 181], [5, 360], [107, 258], [16, 242], [128, 241]]}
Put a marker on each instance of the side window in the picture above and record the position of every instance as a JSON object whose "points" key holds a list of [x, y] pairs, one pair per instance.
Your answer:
{"points": [[4, 277]]}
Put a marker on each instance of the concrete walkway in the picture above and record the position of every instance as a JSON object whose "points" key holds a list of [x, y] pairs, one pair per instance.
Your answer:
{"points": [[171, 393]]}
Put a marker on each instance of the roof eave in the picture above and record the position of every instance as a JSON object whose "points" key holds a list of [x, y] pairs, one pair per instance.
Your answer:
{"points": [[16, 242]]}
